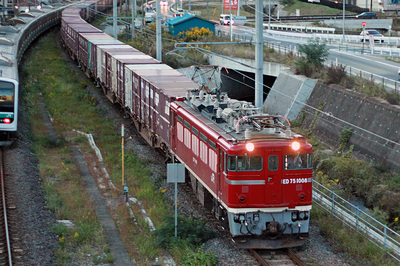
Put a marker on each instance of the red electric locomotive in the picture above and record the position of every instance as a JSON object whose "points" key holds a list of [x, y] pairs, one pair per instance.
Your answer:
{"points": [[247, 167]]}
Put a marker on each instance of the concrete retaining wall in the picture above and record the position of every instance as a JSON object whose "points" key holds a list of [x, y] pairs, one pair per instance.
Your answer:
{"points": [[375, 123]]}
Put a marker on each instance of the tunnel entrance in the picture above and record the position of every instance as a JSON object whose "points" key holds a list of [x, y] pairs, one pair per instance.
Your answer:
{"points": [[240, 85]]}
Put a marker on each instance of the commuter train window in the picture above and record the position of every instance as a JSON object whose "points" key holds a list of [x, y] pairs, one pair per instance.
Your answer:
{"points": [[297, 161], [6, 97], [273, 162], [245, 163]]}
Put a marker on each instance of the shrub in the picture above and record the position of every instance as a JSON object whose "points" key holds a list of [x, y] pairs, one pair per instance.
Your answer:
{"points": [[393, 97], [198, 256], [335, 74], [313, 56], [193, 231]]}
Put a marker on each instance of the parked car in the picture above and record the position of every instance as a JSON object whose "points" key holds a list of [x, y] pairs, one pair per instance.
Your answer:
{"points": [[371, 34], [367, 15]]}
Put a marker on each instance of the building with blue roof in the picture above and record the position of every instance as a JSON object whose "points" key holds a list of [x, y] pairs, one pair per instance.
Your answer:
{"points": [[188, 21]]}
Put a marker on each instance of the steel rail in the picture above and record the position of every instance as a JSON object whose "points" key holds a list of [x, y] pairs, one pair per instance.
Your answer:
{"points": [[294, 258], [258, 257], [3, 196]]}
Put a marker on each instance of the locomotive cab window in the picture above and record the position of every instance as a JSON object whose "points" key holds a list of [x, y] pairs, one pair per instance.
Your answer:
{"points": [[245, 163], [297, 161], [6, 96]]}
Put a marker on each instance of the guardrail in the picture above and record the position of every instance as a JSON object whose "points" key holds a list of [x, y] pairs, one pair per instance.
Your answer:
{"points": [[308, 18], [376, 232], [300, 28]]}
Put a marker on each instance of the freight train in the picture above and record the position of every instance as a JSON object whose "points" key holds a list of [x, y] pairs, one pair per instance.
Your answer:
{"points": [[245, 166]]}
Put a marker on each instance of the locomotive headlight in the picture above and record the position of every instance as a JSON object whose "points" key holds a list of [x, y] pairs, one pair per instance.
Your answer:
{"points": [[250, 146], [302, 215], [295, 146]]}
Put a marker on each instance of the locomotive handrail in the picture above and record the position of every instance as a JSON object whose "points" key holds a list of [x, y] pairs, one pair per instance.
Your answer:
{"points": [[376, 232]]}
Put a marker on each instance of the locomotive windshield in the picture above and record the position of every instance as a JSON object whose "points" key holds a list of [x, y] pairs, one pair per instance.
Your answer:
{"points": [[6, 96], [297, 161], [245, 163]]}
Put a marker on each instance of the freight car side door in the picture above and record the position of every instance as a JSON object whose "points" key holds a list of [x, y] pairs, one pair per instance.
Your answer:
{"points": [[273, 193]]}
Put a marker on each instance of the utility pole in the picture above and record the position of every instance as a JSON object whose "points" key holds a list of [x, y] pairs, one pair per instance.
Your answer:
{"points": [[344, 11], [158, 32], [259, 79], [269, 14], [133, 18], [230, 19], [115, 11], [208, 11]]}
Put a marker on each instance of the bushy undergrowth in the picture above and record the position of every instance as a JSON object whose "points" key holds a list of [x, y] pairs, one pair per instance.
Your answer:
{"points": [[194, 231], [362, 250], [188, 246], [378, 188], [336, 74]]}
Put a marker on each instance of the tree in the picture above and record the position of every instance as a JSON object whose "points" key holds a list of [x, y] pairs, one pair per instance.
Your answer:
{"points": [[313, 56]]}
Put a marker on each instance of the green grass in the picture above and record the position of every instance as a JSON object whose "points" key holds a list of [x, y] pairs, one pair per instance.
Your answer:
{"points": [[313, 9]]}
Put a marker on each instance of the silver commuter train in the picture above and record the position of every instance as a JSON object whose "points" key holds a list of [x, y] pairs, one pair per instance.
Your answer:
{"points": [[17, 34]]}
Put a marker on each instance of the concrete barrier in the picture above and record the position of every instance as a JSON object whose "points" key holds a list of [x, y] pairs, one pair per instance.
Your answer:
{"points": [[288, 95]]}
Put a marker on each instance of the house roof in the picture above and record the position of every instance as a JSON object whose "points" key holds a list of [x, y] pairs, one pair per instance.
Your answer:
{"points": [[185, 17]]}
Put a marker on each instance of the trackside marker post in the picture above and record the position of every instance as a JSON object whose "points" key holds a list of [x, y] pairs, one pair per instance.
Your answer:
{"points": [[176, 174], [122, 148], [124, 181]]}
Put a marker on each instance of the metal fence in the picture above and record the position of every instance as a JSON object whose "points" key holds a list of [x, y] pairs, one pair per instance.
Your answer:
{"points": [[376, 232]]}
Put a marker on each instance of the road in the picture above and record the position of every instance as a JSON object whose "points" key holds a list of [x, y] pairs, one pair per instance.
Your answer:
{"points": [[375, 64]]}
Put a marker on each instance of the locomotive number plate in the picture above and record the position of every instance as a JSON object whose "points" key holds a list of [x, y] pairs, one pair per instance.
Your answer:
{"points": [[294, 181]]}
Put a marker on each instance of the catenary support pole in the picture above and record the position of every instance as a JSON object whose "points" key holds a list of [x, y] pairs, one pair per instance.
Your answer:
{"points": [[115, 12], [158, 32], [259, 55]]}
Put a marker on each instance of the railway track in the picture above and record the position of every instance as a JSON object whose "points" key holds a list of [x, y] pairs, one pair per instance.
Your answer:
{"points": [[5, 244], [276, 257]]}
